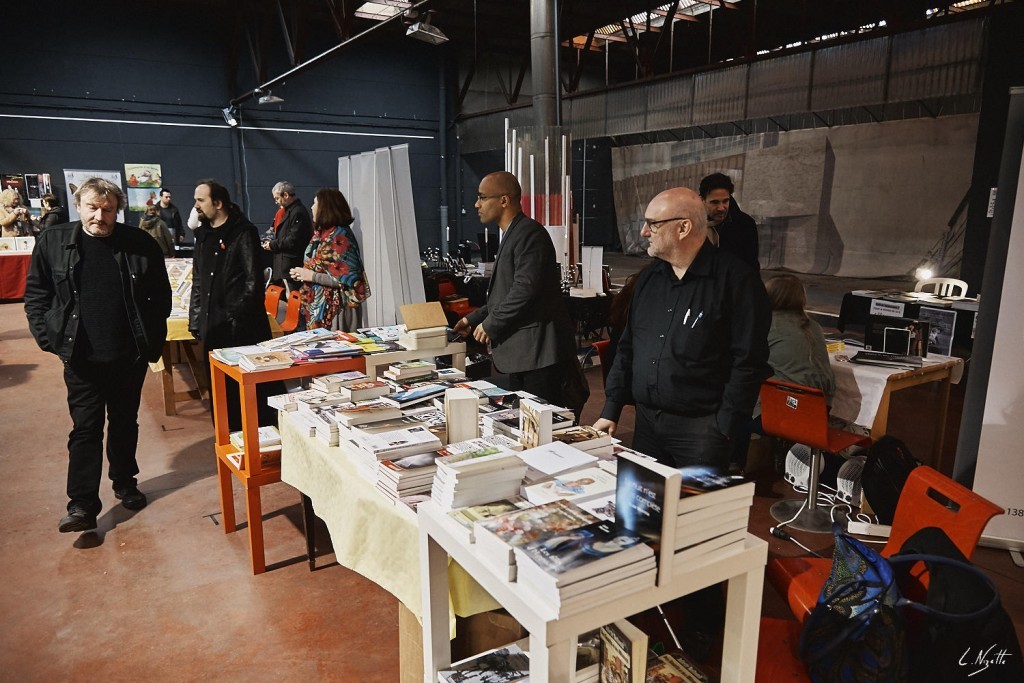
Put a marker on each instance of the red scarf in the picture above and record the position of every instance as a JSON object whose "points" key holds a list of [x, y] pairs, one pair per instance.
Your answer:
{"points": [[278, 218]]}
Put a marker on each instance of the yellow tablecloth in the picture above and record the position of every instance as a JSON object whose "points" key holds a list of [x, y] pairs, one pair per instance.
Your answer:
{"points": [[371, 535]]}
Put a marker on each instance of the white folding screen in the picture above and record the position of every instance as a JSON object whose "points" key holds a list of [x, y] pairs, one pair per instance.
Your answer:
{"points": [[378, 186]]}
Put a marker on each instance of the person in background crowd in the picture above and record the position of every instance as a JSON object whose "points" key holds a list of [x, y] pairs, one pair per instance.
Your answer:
{"points": [[53, 212], [98, 297], [170, 215], [291, 234], [333, 282], [15, 220], [731, 229], [154, 226], [226, 306], [796, 350], [524, 319]]}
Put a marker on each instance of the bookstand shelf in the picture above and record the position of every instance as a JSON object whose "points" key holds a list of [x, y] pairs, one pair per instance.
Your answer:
{"points": [[457, 350], [553, 637], [253, 473]]}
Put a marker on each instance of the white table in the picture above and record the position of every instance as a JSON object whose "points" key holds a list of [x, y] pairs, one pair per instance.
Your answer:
{"points": [[863, 392], [457, 350], [553, 639]]}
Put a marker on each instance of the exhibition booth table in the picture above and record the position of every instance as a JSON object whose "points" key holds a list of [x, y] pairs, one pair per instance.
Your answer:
{"points": [[863, 392], [253, 471], [13, 271], [553, 637]]}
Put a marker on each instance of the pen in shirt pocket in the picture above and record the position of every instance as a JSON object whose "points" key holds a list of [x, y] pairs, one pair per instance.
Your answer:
{"points": [[697, 319]]}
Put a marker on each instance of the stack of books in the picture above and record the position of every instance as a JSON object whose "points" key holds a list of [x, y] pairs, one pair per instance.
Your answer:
{"points": [[477, 471], [553, 459], [575, 485], [498, 536], [320, 400], [508, 664], [366, 412], [409, 370], [270, 446], [326, 427], [587, 439], [466, 517], [396, 444], [406, 476], [712, 514], [586, 566], [434, 420], [415, 395], [324, 350], [264, 360], [364, 391], [676, 666], [331, 383], [291, 400]]}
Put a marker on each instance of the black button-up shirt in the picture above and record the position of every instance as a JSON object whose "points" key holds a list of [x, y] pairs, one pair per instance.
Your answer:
{"points": [[694, 346]]}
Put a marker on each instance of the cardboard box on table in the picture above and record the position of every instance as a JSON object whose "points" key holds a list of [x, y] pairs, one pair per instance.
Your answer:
{"points": [[426, 326]]}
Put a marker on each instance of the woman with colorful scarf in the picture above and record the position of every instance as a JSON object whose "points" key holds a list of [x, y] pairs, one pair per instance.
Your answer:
{"points": [[334, 284]]}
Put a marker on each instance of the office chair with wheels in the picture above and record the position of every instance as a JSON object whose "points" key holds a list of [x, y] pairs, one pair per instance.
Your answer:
{"points": [[942, 286], [798, 413]]}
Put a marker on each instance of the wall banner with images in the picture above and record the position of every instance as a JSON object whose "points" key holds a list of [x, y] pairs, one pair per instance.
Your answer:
{"points": [[75, 177], [141, 197], [142, 175]]}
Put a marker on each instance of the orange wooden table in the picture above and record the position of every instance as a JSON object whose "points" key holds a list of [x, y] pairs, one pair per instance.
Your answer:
{"points": [[253, 473]]}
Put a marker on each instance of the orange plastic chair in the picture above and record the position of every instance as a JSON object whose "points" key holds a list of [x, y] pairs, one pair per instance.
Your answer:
{"points": [[601, 345], [798, 413], [929, 498], [291, 316], [272, 299]]}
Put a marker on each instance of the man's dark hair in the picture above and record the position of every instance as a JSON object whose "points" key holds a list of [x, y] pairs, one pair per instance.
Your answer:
{"points": [[163, 191], [218, 193], [716, 181]]}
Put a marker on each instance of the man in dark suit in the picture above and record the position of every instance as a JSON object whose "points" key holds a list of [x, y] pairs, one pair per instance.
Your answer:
{"points": [[524, 319]]}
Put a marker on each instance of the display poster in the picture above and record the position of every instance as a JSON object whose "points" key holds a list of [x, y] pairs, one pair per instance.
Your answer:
{"points": [[940, 336], [143, 175], [141, 197], [75, 177]]}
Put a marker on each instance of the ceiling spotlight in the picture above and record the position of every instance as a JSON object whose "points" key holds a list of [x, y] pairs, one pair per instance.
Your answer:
{"points": [[229, 116], [267, 97], [427, 32]]}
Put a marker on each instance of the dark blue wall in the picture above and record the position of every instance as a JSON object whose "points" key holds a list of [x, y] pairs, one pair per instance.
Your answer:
{"points": [[166, 71]]}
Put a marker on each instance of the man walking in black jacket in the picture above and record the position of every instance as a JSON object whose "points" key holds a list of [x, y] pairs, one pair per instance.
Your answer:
{"points": [[98, 297]]}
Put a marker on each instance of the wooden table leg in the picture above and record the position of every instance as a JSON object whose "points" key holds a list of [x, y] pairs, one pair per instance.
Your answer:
{"points": [[309, 529], [437, 651], [940, 423], [227, 499], [881, 423], [254, 513], [555, 663], [167, 379]]}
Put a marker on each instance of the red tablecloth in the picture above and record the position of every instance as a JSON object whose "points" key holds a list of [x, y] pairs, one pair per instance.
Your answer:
{"points": [[13, 271]]}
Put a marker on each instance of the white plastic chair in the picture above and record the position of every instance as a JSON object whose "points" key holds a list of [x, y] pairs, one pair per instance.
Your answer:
{"points": [[942, 286]]}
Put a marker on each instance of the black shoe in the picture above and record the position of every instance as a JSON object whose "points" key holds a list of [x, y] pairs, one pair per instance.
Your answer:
{"points": [[132, 499], [77, 519]]}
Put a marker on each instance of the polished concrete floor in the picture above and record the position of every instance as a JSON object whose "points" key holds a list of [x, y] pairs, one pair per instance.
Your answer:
{"points": [[163, 594]]}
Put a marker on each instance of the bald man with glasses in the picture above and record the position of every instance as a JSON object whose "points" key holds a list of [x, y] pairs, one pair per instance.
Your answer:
{"points": [[694, 350], [524, 319]]}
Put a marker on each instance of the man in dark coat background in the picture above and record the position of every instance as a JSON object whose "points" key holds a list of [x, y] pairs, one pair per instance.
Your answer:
{"points": [[731, 229], [291, 234], [226, 307]]}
